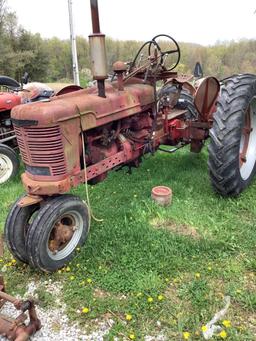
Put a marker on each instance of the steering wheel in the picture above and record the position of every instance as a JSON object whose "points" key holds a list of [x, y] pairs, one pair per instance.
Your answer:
{"points": [[165, 54], [141, 60]]}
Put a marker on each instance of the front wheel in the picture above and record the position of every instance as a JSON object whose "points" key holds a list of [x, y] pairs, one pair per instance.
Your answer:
{"points": [[16, 228], [232, 150], [60, 226], [9, 163]]}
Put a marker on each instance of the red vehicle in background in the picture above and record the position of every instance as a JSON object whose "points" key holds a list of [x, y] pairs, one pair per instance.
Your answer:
{"points": [[13, 93]]}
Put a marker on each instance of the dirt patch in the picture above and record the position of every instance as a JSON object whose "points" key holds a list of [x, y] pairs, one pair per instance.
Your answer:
{"points": [[246, 216], [181, 229], [250, 281], [172, 295], [101, 294], [244, 319], [98, 293]]}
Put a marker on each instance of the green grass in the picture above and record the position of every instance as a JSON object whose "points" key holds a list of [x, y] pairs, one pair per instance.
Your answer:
{"points": [[192, 253]]}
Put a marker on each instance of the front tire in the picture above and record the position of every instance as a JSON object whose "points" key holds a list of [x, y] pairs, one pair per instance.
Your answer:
{"points": [[16, 228], [9, 163], [232, 150], [60, 226]]}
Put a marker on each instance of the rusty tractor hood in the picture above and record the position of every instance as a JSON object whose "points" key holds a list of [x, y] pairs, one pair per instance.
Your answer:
{"points": [[86, 103]]}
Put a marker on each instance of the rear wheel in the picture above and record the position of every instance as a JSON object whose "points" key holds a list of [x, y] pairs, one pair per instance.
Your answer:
{"points": [[60, 226], [9, 163], [232, 150]]}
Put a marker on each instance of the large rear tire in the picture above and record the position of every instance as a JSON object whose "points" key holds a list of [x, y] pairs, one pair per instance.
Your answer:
{"points": [[9, 163], [232, 150], [60, 226]]}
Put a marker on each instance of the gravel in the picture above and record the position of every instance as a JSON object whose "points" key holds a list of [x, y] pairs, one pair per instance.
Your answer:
{"points": [[55, 323]]}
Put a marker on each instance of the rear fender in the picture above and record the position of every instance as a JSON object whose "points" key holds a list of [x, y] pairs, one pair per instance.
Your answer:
{"points": [[68, 88], [8, 81], [206, 96]]}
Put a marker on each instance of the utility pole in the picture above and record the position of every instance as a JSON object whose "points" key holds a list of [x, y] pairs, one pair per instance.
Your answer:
{"points": [[73, 45]]}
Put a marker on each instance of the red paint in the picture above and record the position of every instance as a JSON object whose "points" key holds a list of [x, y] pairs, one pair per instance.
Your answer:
{"points": [[8, 100], [117, 131]]}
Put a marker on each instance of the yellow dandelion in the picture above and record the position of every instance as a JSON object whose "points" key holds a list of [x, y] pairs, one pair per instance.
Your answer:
{"points": [[85, 310], [160, 297], [226, 323], [13, 261], [128, 317], [204, 328], [223, 334], [150, 299], [72, 278], [68, 269], [89, 280], [78, 249], [197, 275], [186, 335], [238, 291], [59, 271], [132, 336], [209, 268], [1, 260]]}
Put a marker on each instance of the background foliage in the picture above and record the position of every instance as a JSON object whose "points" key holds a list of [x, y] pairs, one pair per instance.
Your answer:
{"points": [[49, 60]]}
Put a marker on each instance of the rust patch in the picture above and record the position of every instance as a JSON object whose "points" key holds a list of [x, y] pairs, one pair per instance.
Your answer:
{"points": [[171, 225]]}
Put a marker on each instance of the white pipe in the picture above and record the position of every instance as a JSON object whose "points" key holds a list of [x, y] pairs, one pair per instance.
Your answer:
{"points": [[73, 45]]}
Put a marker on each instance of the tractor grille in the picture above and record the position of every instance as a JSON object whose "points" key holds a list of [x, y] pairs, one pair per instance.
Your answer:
{"points": [[42, 147]]}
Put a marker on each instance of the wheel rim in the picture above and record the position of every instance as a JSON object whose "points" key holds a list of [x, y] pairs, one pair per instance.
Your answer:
{"points": [[65, 235], [6, 168], [247, 153]]}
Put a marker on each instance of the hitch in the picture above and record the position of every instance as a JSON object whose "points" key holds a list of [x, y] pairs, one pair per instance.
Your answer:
{"points": [[15, 329]]}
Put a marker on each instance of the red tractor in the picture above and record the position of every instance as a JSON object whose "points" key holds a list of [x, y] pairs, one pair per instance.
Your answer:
{"points": [[79, 137], [9, 161], [13, 95]]}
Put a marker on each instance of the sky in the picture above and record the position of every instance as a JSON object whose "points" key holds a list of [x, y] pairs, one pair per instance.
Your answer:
{"points": [[198, 21]]}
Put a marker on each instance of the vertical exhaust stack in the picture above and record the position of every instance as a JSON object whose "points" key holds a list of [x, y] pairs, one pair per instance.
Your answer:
{"points": [[98, 50]]}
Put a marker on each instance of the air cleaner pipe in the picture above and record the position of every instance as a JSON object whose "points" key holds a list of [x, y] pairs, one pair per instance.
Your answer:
{"points": [[95, 16], [98, 50]]}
